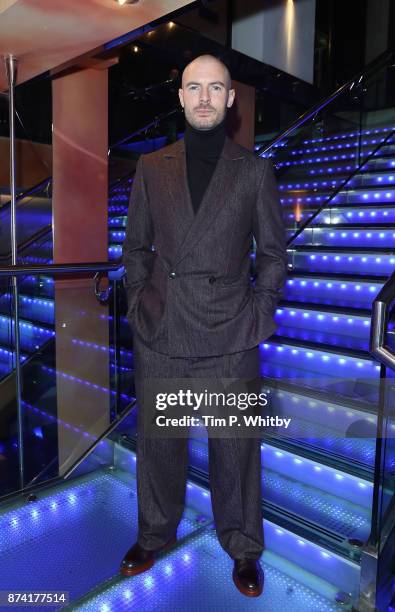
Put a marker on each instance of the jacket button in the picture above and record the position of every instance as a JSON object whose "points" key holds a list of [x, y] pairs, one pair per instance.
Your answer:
{"points": [[212, 279], [172, 274]]}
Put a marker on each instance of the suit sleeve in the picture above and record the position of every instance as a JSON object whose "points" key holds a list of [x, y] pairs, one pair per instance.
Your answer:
{"points": [[269, 234], [137, 253]]}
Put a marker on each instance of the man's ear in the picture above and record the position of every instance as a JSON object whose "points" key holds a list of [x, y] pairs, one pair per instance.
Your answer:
{"points": [[231, 97], [181, 97]]}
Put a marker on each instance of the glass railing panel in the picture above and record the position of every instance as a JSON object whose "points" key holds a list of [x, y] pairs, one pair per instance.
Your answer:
{"points": [[162, 130], [322, 156], [33, 107], [33, 214], [9, 443], [76, 377], [390, 341], [6, 328]]}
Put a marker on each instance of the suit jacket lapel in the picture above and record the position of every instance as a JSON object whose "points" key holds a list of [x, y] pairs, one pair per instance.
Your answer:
{"points": [[187, 226]]}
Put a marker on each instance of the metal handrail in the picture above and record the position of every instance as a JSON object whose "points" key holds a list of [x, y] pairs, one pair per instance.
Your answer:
{"points": [[42, 184], [153, 123], [68, 268], [339, 188], [379, 324], [374, 65], [65, 268]]}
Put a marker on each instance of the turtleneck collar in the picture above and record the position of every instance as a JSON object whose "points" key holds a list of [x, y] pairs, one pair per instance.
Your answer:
{"points": [[204, 143]]}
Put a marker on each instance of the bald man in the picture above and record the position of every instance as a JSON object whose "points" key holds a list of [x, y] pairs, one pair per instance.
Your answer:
{"points": [[195, 206]]}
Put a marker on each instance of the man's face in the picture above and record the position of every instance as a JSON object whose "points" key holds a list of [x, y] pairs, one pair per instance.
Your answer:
{"points": [[205, 95]]}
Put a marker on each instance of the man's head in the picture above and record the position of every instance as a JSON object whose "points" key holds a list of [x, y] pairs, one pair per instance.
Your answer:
{"points": [[206, 92]]}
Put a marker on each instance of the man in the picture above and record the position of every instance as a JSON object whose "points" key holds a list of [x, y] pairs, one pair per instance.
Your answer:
{"points": [[194, 208]]}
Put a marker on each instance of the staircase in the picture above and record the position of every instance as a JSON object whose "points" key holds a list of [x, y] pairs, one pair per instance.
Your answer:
{"points": [[317, 477]]}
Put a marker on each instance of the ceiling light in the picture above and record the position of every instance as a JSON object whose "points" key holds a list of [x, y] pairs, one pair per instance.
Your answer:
{"points": [[122, 2]]}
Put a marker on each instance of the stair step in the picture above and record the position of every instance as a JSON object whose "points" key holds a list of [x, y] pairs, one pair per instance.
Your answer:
{"points": [[348, 373], [367, 177], [335, 168], [335, 501], [337, 149], [345, 136], [331, 290], [32, 337], [37, 309], [276, 537], [351, 214], [358, 262], [364, 196], [351, 236], [338, 329], [116, 236]]}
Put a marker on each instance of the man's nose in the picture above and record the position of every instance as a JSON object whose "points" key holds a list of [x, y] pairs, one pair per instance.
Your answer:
{"points": [[204, 94]]}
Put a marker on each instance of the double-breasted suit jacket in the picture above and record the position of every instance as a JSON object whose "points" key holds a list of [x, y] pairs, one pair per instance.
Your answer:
{"points": [[188, 276]]}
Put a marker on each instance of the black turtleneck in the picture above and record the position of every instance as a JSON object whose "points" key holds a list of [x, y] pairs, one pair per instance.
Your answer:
{"points": [[203, 148]]}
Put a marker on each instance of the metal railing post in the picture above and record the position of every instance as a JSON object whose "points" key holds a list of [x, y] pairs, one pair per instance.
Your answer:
{"points": [[11, 69]]}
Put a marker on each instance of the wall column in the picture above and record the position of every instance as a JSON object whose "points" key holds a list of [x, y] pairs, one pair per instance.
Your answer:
{"points": [[80, 230], [241, 116]]}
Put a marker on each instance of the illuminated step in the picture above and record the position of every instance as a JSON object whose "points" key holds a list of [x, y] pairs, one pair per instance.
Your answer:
{"points": [[365, 195], [38, 285], [37, 259], [95, 514], [326, 166], [323, 478], [339, 433], [351, 236], [32, 337], [351, 147], [114, 252], [309, 361], [90, 350], [338, 329], [310, 199], [37, 309], [333, 291], [116, 236], [7, 360], [120, 194], [118, 208], [118, 220], [321, 184], [363, 179], [173, 581], [352, 262], [317, 558], [334, 215], [343, 137], [334, 500], [362, 196]]}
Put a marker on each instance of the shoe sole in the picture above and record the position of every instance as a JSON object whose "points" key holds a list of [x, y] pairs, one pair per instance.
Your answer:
{"points": [[139, 569], [249, 592]]}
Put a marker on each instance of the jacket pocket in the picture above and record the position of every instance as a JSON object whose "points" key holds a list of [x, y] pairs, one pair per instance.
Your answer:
{"points": [[236, 280]]}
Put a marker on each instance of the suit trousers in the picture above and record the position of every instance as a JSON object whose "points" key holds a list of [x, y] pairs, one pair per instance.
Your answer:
{"points": [[234, 462]]}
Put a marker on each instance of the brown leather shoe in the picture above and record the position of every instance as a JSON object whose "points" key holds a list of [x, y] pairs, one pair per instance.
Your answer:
{"points": [[248, 577], [139, 559]]}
